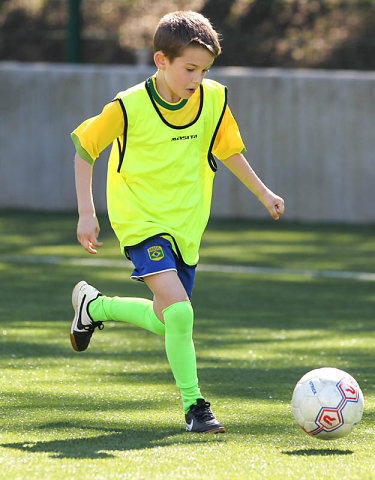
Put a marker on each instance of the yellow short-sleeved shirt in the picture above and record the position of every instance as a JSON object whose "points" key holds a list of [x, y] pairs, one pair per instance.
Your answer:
{"points": [[96, 133]]}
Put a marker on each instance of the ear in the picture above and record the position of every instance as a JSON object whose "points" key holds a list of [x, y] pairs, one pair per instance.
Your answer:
{"points": [[160, 60]]}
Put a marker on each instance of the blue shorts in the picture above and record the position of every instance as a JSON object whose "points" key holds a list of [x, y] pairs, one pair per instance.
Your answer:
{"points": [[156, 255]]}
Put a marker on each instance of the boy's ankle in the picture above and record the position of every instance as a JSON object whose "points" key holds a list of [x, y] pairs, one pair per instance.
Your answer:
{"points": [[96, 310]]}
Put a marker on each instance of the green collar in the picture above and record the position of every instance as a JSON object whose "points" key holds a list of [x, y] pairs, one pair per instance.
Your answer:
{"points": [[160, 101]]}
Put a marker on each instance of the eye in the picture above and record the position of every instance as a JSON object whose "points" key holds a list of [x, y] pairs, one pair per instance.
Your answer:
{"points": [[190, 69]]}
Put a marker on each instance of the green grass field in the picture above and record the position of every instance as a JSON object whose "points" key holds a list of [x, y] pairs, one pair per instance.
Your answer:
{"points": [[113, 412]]}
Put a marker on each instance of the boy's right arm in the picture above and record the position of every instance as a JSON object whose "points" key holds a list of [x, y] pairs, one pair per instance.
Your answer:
{"points": [[88, 225]]}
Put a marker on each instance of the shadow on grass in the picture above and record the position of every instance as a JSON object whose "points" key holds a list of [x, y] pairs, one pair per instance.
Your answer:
{"points": [[109, 444], [43, 228], [324, 452]]}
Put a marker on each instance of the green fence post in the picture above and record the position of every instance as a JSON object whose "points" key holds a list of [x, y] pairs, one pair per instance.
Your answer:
{"points": [[74, 32]]}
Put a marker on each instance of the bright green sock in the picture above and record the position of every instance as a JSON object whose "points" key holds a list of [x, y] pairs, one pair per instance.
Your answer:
{"points": [[137, 311], [179, 346]]}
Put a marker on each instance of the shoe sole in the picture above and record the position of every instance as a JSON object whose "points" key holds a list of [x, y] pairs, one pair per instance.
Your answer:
{"points": [[216, 430], [75, 294]]}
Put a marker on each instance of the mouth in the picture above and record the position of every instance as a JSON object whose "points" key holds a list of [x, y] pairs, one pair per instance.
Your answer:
{"points": [[190, 90]]}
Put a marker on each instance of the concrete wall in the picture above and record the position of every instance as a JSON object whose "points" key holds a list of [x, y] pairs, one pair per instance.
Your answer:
{"points": [[310, 135]]}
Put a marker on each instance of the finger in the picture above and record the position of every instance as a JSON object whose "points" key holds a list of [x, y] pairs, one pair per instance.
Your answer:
{"points": [[280, 208], [90, 248], [93, 245], [97, 244], [87, 244], [274, 212]]}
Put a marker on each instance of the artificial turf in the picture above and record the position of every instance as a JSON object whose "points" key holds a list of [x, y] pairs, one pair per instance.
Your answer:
{"points": [[113, 412]]}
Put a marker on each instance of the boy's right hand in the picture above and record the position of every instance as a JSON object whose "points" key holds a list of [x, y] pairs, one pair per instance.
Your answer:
{"points": [[87, 232]]}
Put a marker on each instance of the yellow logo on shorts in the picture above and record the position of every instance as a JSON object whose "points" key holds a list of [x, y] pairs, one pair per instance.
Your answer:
{"points": [[155, 253]]}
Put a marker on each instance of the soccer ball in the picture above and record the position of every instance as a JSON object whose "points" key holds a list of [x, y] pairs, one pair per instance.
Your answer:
{"points": [[327, 403]]}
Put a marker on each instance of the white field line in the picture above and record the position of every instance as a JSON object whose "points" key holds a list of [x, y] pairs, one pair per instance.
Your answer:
{"points": [[242, 269]]}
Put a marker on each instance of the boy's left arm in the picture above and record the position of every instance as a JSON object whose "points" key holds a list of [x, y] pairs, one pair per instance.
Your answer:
{"points": [[240, 167]]}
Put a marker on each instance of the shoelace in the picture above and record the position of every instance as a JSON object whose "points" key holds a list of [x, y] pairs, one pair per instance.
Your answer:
{"points": [[203, 411], [90, 328]]}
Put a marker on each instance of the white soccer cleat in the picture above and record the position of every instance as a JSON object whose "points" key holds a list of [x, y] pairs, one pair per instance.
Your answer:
{"points": [[83, 325]]}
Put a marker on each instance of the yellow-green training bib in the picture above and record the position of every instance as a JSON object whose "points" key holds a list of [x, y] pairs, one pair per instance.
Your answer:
{"points": [[160, 176]]}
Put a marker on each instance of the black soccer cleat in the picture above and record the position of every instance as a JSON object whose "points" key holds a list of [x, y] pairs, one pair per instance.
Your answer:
{"points": [[83, 325], [200, 419]]}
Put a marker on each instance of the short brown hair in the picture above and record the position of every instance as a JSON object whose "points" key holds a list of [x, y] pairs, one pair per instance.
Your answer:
{"points": [[181, 29]]}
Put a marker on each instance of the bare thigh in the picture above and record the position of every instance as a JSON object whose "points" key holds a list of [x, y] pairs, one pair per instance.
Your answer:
{"points": [[167, 289]]}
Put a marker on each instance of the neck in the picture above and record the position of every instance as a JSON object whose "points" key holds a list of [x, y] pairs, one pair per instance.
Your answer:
{"points": [[163, 89]]}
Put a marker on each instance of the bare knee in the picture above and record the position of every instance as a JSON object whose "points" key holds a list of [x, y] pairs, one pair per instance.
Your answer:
{"points": [[167, 289]]}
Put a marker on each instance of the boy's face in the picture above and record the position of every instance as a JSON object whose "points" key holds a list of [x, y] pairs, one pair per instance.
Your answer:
{"points": [[181, 77]]}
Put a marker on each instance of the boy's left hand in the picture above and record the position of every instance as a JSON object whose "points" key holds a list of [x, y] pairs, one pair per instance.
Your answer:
{"points": [[274, 204]]}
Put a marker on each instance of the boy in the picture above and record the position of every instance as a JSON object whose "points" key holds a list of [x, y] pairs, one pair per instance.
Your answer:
{"points": [[159, 186]]}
